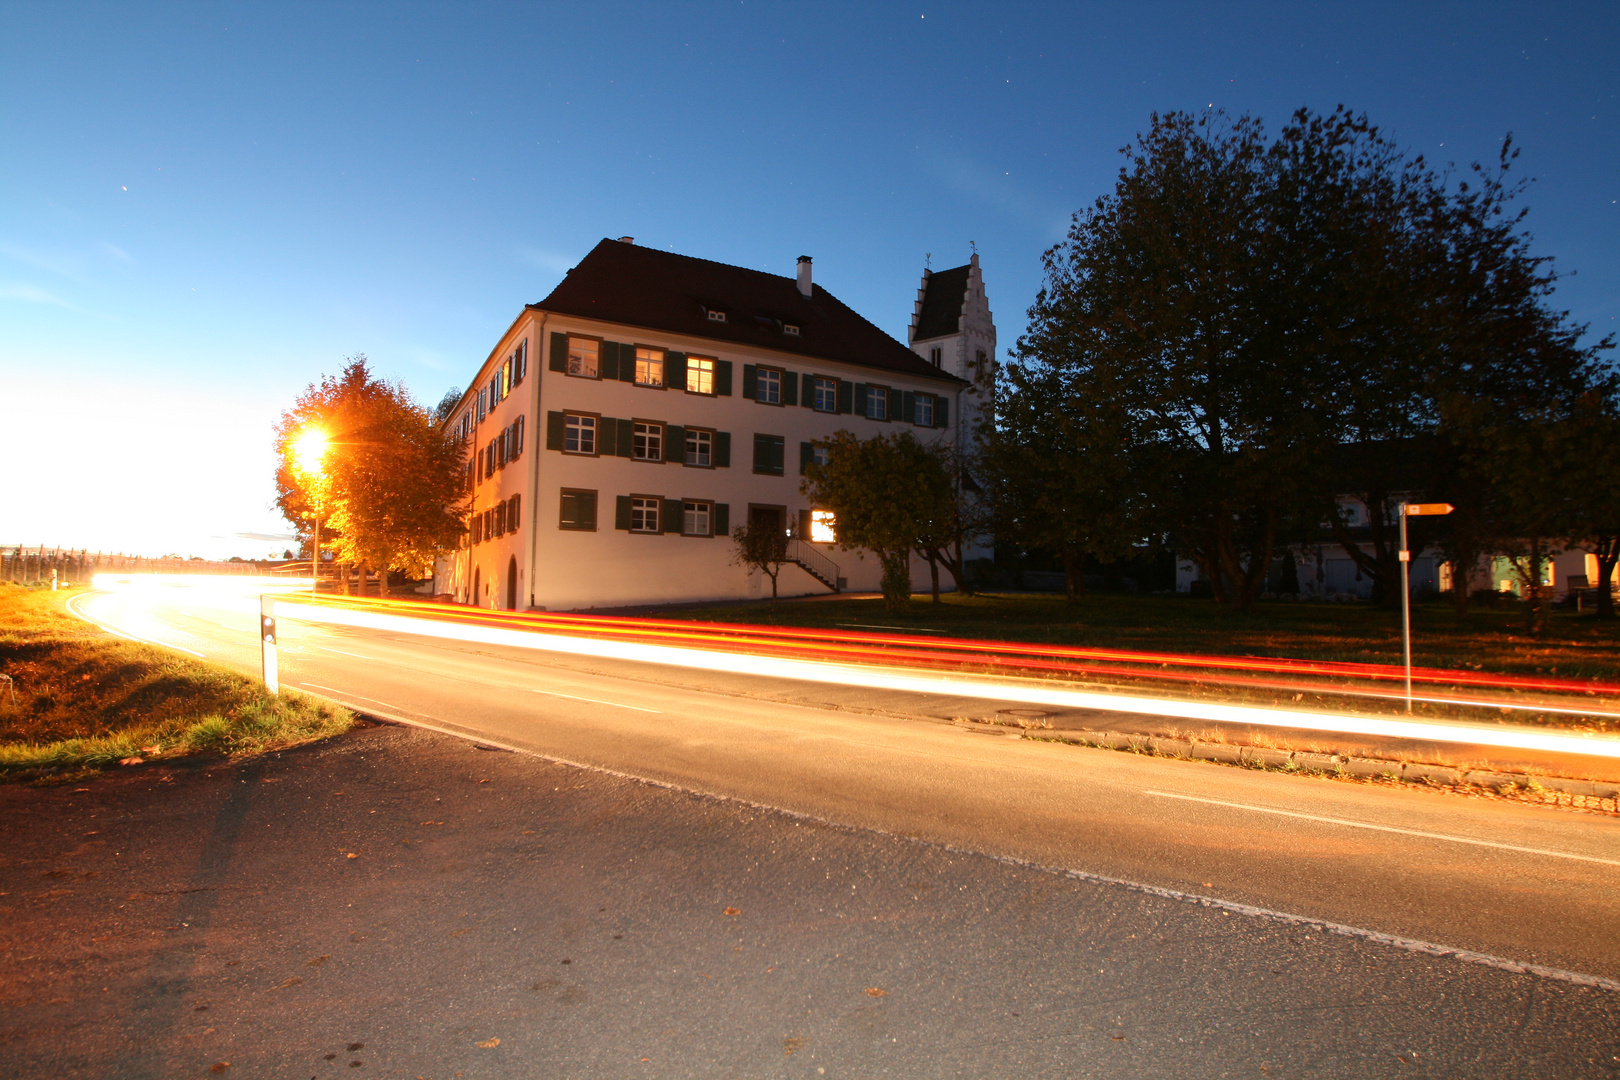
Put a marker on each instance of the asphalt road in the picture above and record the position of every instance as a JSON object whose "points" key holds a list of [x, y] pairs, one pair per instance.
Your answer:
{"points": [[1009, 830]]}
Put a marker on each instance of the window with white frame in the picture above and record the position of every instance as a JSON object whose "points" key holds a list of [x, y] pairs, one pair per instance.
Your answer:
{"points": [[579, 434], [699, 375], [699, 447], [520, 362], [768, 387], [877, 402], [582, 357], [826, 399], [649, 367], [644, 514], [716, 316], [823, 527], [697, 518], [923, 411], [790, 330], [647, 441], [819, 454], [483, 404]]}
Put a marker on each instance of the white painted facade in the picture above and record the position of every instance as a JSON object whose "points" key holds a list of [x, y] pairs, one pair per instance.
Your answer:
{"points": [[541, 564]]}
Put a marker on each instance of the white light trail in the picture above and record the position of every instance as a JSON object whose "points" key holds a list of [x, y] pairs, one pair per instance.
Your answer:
{"points": [[1029, 693]]}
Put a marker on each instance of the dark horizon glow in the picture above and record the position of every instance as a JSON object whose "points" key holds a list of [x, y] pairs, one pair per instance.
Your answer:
{"points": [[204, 209]]}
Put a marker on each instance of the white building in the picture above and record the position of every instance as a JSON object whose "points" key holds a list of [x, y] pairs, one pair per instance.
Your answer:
{"points": [[625, 423]]}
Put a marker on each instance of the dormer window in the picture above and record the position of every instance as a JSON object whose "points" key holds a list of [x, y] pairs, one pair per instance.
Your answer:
{"points": [[716, 316], [790, 330]]}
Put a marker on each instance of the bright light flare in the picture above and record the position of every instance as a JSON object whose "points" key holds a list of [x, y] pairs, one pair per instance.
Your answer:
{"points": [[473, 626], [309, 450]]}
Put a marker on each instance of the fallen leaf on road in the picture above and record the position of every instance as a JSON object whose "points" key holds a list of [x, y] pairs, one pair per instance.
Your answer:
{"points": [[490, 1044], [433, 823], [790, 1045], [873, 991], [356, 1046], [732, 911], [319, 960], [219, 1066], [352, 855], [292, 981]]}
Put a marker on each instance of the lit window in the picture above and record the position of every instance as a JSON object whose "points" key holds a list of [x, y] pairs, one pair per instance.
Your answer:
{"points": [[924, 410], [717, 316], [695, 518], [822, 527], [649, 367], [877, 402], [647, 442], [826, 399], [582, 353], [699, 375], [506, 378], [699, 447], [578, 510], [768, 387], [644, 514], [579, 434], [818, 455]]}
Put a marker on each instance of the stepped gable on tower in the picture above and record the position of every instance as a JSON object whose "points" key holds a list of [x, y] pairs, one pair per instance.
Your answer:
{"points": [[623, 283]]}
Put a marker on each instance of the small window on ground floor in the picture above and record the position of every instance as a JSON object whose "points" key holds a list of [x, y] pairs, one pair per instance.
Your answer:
{"points": [[823, 527]]}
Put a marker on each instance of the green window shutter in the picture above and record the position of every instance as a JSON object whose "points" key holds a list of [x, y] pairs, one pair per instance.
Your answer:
{"points": [[607, 436], [942, 411], [750, 381], [722, 449], [908, 407], [846, 396], [807, 396], [621, 513], [762, 453], [722, 378], [790, 389], [559, 352], [807, 454], [627, 430], [554, 431], [670, 520], [804, 524], [627, 362], [607, 360], [722, 519], [895, 403], [860, 399], [778, 454], [675, 370], [674, 443]]}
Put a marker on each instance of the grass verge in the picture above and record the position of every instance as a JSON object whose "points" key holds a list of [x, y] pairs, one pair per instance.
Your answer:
{"points": [[85, 700]]}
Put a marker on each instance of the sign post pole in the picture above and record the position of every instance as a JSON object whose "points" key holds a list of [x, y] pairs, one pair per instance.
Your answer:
{"points": [[1411, 510], [267, 643]]}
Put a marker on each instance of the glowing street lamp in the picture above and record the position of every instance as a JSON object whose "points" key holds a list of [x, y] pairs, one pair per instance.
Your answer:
{"points": [[309, 453], [1412, 510]]}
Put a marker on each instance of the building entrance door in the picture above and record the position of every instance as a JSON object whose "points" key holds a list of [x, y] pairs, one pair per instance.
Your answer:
{"points": [[511, 584]]}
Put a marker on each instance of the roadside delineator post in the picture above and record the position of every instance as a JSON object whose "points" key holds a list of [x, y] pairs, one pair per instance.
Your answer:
{"points": [[267, 643], [1412, 510]]}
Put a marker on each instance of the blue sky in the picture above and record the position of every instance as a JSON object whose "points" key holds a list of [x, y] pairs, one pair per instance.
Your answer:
{"points": [[205, 207]]}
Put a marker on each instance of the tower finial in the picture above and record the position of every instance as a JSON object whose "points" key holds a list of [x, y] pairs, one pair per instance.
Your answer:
{"points": [[928, 260], [973, 247]]}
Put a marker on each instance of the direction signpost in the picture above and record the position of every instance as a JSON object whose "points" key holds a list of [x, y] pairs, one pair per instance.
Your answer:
{"points": [[1412, 510]]}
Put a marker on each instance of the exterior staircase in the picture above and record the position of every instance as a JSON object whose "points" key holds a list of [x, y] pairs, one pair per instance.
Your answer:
{"points": [[815, 564]]}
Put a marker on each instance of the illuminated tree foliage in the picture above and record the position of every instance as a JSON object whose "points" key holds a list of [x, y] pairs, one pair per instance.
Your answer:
{"points": [[390, 488]]}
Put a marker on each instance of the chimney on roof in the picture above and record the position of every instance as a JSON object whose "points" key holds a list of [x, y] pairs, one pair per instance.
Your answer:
{"points": [[804, 275], [627, 240]]}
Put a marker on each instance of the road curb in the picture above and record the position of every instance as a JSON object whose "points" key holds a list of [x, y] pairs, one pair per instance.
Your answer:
{"points": [[1304, 761]]}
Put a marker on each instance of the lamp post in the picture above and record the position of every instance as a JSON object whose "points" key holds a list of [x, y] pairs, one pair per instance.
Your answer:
{"points": [[1412, 510], [309, 452]]}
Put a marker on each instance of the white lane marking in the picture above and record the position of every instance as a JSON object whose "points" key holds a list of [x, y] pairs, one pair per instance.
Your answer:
{"points": [[131, 637], [340, 652], [346, 693], [1387, 828], [597, 701]]}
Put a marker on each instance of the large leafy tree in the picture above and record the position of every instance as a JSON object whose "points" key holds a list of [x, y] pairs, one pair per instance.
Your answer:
{"points": [[891, 495], [390, 485]]}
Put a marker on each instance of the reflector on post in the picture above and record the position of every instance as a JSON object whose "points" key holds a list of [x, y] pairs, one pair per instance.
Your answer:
{"points": [[1428, 509]]}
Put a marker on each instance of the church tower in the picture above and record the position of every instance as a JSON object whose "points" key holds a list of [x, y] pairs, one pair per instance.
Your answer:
{"points": [[952, 328]]}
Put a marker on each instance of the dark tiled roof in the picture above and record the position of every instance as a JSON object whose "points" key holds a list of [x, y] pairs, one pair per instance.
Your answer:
{"points": [[942, 303], [659, 290]]}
